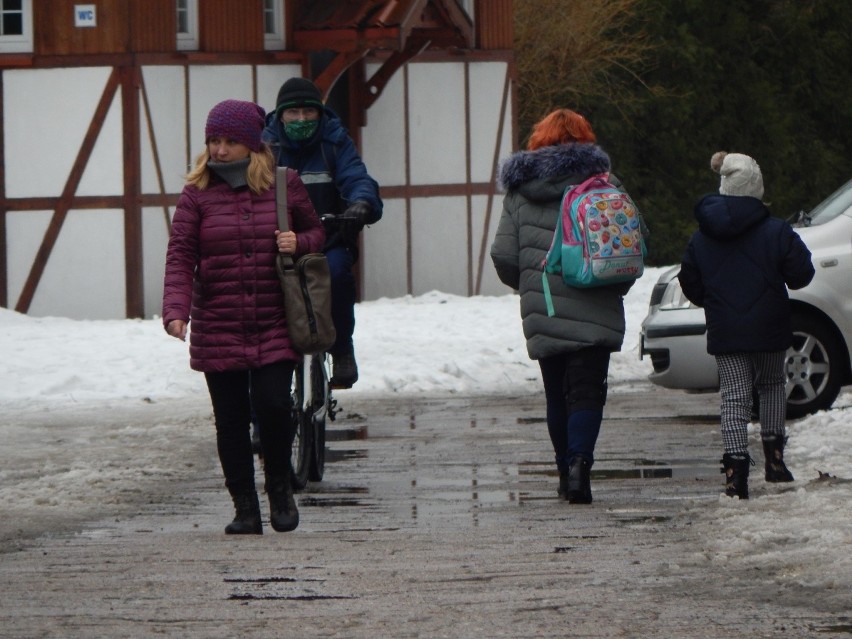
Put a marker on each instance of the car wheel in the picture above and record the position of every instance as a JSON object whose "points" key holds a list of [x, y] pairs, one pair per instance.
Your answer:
{"points": [[812, 366]]}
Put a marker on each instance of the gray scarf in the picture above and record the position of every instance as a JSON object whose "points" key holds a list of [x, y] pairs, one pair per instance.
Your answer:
{"points": [[234, 173]]}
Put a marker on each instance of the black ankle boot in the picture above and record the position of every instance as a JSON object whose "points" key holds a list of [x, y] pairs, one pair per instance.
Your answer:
{"points": [[578, 482], [344, 369], [773, 450], [283, 514], [735, 467], [247, 520]]}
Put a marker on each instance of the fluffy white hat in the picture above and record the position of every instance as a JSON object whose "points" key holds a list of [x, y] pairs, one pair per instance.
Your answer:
{"points": [[740, 174]]}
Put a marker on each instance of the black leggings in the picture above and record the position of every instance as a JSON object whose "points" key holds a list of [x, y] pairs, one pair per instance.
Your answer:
{"points": [[233, 394], [575, 387]]}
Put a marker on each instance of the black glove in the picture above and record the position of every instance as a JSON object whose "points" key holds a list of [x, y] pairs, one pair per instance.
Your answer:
{"points": [[353, 220]]}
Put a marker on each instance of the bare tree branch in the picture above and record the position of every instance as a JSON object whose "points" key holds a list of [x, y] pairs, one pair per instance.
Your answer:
{"points": [[579, 50]]}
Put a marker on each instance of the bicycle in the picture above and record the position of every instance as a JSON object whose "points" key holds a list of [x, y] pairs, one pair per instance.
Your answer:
{"points": [[313, 404]]}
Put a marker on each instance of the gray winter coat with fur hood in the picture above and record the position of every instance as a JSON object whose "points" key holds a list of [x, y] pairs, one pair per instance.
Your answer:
{"points": [[535, 181]]}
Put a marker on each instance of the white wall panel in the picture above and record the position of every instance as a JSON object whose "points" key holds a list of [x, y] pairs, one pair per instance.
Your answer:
{"points": [[24, 233], [104, 172], [440, 246], [436, 106], [156, 242], [209, 85], [165, 90], [384, 264], [487, 80], [489, 283], [84, 277], [383, 139], [269, 81], [49, 111]]}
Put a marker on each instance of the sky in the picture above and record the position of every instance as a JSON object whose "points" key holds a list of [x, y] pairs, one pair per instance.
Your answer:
{"points": [[81, 373]]}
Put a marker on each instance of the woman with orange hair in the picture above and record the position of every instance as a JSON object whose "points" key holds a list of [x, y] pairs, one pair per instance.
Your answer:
{"points": [[573, 346]]}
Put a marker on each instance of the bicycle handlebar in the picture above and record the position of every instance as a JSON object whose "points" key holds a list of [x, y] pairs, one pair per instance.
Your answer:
{"points": [[338, 217]]}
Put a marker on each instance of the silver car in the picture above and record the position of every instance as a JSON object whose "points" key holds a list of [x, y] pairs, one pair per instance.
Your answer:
{"points": [[674, 334]]}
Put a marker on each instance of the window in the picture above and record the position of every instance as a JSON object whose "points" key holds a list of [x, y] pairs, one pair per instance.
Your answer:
{"points": [[273, 24], [187, 24], [16, 26]]}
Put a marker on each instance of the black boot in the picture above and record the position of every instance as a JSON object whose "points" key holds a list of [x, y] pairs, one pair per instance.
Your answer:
{"points": [[562, 491], [344, 369], [578, 482], [773, 449], [283, 514], [247, 520], [735, 467]]}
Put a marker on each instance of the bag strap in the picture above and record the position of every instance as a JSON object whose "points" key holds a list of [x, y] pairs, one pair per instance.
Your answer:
{"points": [[281, 207], [281, 198], [548, 297]]}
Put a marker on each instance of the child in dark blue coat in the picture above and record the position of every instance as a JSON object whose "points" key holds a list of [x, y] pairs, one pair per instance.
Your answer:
{"points": [[738, 266]]}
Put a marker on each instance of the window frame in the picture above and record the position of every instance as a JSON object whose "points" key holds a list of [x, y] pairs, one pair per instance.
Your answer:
{"points": [[188, 40], [275, 39], [19, 42]]}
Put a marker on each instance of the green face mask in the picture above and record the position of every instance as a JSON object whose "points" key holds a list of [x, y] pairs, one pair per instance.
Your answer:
{"points": [[300, 129]]}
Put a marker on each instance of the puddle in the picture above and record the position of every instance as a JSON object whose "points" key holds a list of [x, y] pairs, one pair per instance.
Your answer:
{"points": [[845, 628], [308, 501], [647, 519], [253, 597], [333, 455], [346, 434], [605, 469], [266, 580]]}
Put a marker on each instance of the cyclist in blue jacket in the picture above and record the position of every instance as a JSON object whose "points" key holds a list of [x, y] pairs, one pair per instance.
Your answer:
{"points": [[309, 137]]}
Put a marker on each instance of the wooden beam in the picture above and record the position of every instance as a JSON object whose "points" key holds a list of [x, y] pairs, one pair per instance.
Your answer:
{"points": [[348, 40], [376, 84], [4, 239], [130, 78], [342, 61]]}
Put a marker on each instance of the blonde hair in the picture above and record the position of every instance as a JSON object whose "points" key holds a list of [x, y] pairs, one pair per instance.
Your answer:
{"points": [[260, 175]]}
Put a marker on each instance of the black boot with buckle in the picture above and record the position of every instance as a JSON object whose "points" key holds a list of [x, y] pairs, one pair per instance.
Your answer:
{"points": [[735, 467], [776, 469]]}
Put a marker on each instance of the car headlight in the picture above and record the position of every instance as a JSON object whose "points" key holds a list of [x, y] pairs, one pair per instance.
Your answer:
{"points": [[673, 298]]}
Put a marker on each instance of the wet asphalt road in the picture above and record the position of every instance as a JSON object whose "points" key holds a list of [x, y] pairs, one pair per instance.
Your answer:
{"points": [[436, 518]]}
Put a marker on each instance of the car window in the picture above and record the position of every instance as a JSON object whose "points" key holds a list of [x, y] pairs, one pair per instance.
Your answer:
{"points": [[837, 203]]}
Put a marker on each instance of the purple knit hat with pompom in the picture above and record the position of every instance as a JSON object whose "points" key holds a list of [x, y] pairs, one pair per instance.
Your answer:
{"points": [[237, 120]]}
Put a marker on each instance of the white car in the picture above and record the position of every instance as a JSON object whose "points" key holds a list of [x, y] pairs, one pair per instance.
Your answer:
{"points": [[674, 335]]}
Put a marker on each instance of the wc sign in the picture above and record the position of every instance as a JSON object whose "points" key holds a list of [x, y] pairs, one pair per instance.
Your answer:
{"points": [[85, 15]]}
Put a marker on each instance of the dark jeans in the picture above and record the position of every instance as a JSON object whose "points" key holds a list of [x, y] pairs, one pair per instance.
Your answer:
{"points": [[234, 394], [340, 263], [575, 387]]}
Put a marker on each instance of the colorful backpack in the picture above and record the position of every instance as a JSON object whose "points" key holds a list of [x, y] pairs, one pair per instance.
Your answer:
{"points": [[598, 238]]}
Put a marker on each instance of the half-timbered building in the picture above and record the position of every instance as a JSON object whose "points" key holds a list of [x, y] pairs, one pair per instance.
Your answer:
{"points": [[102, 110]]}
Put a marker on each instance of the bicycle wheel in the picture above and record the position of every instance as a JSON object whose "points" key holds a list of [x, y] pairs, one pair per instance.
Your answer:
{"points": [[319, 410], [301, 455]]}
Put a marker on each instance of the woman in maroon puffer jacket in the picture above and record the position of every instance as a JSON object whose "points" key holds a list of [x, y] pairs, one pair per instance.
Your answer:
{"points": [[220, 274]]}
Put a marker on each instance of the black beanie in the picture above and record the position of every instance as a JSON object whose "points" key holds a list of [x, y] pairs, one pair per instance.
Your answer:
{"points": [[297, 92]]}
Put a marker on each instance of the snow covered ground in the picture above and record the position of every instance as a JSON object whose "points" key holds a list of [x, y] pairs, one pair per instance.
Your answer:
{"points": [[430, 345]]}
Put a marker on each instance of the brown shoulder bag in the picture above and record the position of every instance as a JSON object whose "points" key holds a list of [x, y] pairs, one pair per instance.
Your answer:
{"points": [[306, 284]]}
